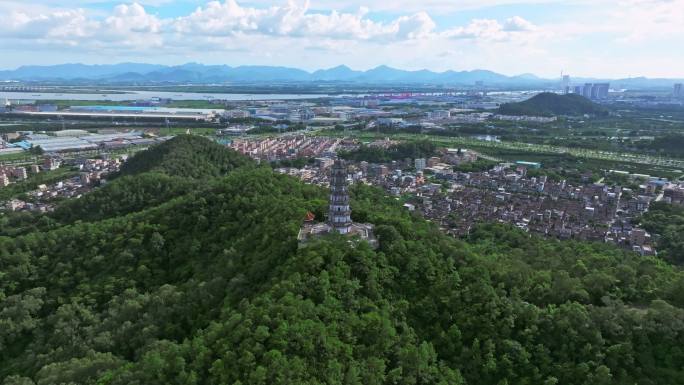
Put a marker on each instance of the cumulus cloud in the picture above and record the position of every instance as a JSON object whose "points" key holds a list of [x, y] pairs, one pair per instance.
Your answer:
{"points": [[295, 20], [132, 19], [518, 24], [492, 30], [60, 24], [228, 25], [128, 25]]}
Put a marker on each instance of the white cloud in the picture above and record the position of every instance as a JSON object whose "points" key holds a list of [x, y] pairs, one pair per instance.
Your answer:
{"points": [[129, 25], [492, 30], [132, 19], [58, 25], [649, 19], [518, 24], [295, 20]]}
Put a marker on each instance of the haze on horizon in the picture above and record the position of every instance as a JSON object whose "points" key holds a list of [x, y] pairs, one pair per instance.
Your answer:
{"points": [[610, 39]]}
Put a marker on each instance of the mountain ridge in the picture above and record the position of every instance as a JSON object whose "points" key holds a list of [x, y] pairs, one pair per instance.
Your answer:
{"points": [[195, 72], [204, 74]]}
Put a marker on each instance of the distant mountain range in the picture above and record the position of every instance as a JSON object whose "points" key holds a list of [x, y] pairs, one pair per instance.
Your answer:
{"points": [[137, 73]]}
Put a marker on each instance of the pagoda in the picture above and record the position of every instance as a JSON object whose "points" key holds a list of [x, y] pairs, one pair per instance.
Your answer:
{"points": [[339, 212]]}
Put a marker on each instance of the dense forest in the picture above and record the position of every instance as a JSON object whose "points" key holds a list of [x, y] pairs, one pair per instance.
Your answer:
{"points": [[550, 104], [187, 156], [672, 144], [667, 223], [176, 275]]}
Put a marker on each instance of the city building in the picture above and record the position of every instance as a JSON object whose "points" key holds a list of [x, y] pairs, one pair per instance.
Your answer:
{"points": [[678, 91], [439, 114], [84, 178], [390, 122], [565, 84], [50, 164], [420, 164], [594, 91], [20, 173], [536, 165], [197, 114], [600, 91]]}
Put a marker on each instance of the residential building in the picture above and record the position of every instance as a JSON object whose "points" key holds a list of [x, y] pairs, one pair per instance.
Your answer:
{"points": [[20, 173]]}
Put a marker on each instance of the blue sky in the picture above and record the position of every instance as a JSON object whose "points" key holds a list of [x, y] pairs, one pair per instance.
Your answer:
{"points": [[606, 38]]}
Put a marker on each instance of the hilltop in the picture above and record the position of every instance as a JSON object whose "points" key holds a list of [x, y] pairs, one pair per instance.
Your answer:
{"points": [[163, 278], [551, 104], [186, 156]]}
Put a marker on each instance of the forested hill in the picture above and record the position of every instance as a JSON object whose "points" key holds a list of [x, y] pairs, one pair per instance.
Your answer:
{"points": [[186, 156], [551, 104], [205, 284]]}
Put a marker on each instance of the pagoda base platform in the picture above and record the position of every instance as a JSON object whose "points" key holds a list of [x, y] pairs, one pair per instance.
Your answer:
{"points": [[310, 231]]}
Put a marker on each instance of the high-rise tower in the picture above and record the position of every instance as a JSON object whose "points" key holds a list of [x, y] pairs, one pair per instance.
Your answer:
{"points": [[339, 215], [565, 84]]}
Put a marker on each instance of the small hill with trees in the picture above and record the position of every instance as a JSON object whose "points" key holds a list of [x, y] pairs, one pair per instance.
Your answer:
{"points": [[550, 104], [187, 156]]}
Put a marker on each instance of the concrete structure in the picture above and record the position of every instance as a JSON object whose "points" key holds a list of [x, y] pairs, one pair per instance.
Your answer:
{"points": [[678, 91], [127, 112], [528, 164], [389, 122], [565, 84], [439, 114], [594, 91], [600, 91], [20, 173], [50, 164]]}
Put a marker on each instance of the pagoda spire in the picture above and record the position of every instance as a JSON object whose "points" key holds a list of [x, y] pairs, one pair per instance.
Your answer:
{"points": [[339, 215]]}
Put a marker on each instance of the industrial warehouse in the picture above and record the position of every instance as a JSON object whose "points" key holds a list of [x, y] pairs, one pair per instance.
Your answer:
{"points": [[78, 140], [151, 112]]}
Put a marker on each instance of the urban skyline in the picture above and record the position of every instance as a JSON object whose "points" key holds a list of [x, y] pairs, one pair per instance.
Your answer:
{"points": [[612, 39]]}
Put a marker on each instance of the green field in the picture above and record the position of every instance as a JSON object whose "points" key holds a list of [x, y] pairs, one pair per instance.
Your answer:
{"points": [[20, 157], [550, 155]]}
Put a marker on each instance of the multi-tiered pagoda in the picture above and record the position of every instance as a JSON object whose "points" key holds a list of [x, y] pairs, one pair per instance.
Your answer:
{"points": [[339, 212]]}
